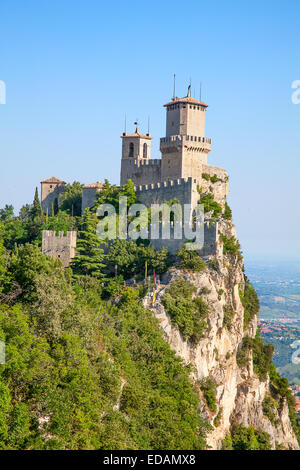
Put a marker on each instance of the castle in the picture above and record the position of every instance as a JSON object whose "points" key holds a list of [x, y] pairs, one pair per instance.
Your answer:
{"points": [[182, 172]]}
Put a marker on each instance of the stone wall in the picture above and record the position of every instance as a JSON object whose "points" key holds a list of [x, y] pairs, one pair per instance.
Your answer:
{"points": [[208, 241], [49, 193], [140, 171], [183, 189], [59, 246]]}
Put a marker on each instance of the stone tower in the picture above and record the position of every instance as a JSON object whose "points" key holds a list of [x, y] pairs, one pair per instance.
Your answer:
{"points": [[51, 188], [136, 151], [60, 246], [185, 147]]}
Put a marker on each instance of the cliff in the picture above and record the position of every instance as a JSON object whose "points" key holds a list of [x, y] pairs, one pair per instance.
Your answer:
{"points": [[242, 393]]}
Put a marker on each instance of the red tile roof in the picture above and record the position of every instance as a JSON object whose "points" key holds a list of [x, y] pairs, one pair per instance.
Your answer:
{"points": [[98, 185], [186, 99], [53, 179]]}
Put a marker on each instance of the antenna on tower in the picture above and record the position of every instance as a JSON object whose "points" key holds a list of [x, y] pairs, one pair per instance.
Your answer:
{"points": [[174, 85], [148, 125]]}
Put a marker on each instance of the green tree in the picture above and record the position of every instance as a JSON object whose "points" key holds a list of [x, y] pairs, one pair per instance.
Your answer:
{"points": [[71, 198], [36, 208], [90, 255], [7, 213]]}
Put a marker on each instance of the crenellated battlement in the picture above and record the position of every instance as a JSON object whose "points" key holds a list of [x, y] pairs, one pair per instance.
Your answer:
{"points": [[166, 184], [183, 138], [143, 162]]}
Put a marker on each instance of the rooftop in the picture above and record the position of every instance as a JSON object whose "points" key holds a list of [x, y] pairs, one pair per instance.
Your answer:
{"points": [[97, 185], [53, 179], [137, 134], [186, 99]]}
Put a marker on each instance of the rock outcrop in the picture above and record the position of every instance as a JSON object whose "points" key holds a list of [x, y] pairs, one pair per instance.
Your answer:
{"points": [[239, 390]]}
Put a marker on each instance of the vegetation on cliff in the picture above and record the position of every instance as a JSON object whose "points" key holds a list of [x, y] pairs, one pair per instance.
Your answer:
{"points": [[87, 366]]}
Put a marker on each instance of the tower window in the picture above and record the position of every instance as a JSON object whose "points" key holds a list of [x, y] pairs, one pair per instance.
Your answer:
{"points": [[145, 151], [131, 149]]}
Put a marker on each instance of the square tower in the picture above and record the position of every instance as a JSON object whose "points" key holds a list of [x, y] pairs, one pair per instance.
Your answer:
{"points": [[185, 147], [136, 150], [51, 188]]}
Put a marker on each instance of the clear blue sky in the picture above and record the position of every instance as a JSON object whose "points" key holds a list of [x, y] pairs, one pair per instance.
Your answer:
{"points": [[73, 68]]}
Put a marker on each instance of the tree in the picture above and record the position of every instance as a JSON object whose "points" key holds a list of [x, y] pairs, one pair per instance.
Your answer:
{"points": [[89, 258], [7, 213], [71, 198], [61, 222], [110, 194], [36, 209]]}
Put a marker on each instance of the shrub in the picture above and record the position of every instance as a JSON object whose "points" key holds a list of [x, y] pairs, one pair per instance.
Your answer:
{"points": [[227, 442], [206, 176], [228, 316], [218, 418], [213, 264], [227, 212], [242, 356], [214, 178], [262, 355], [187, 313], [210, 204], [244, 438], [189, 259], [208, 387], [231, 245], [250, 302], [269, 406]]}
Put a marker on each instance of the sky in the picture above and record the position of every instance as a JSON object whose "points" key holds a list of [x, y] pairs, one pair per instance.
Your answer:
{"points": [[74, 68]]}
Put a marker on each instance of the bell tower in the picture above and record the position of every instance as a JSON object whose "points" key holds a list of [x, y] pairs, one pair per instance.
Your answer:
{"points": [[136, 150], [185, 147]]}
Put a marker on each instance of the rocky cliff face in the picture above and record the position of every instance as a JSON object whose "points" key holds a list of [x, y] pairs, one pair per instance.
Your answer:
{"points": [[239, 391]]}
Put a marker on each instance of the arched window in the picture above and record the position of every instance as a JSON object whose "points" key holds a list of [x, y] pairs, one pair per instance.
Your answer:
{"points": [[145, 150], [131, 149]]}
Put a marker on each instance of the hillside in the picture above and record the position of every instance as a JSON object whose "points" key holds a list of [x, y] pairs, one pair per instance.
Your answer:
{"points": [[96, 360]]}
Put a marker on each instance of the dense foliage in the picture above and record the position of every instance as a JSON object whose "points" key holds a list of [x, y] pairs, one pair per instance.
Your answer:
{"points": [[131, 258], [189, 259], [187, 313], [83, 373], [250, 302], [246, 438], [231, 245], [208, 388], [210, 204], [87, 366]]}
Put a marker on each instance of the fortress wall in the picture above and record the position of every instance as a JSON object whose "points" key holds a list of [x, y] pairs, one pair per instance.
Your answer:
{"points": [[183, 189], [59, 246], [210, 235], [140, 171]]}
